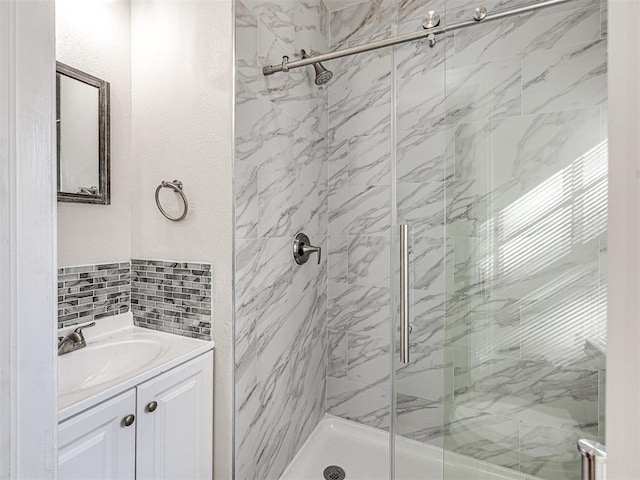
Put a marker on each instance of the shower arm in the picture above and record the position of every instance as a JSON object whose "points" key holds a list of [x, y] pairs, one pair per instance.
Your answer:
{"points": [[286, 65]]}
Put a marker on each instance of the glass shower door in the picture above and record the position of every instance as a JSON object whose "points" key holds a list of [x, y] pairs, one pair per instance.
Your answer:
{"points": [[501, 175], [422, 144]]}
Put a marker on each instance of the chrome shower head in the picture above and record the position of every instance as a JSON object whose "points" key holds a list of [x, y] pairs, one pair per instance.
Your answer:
{"points": [[322, 74]]}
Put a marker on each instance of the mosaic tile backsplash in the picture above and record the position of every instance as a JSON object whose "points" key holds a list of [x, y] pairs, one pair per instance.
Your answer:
{"points": [[173, 297], [91, 292]]}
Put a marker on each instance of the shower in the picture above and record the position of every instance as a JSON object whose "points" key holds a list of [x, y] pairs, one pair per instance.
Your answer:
{"points": [[322, 74], [456, 183]]}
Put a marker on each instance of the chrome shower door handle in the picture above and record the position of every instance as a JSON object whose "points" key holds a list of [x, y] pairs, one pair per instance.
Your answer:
{"points": [[404, 293], [594, 459]]}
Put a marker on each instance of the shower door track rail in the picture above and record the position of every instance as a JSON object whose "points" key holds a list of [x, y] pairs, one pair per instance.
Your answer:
{"points": [[408, 37]]}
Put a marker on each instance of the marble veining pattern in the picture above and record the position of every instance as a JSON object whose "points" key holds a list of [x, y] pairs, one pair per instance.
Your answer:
{"points": [[362, 20], [565, 78], [354, 113], [542, 144], [422, 155], [526, 33], [369, 70], [281, 187], [359, 209], [363, 403], [360, 309]]}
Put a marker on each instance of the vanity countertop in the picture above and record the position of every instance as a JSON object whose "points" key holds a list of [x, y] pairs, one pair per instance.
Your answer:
{"points": [[118, 356]]}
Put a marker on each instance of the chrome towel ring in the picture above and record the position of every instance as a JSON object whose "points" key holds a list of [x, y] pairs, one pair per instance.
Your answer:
{"points": [[176, 185]]}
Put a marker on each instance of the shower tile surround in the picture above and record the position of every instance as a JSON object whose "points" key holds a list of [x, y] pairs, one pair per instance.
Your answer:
{"points": [[173, 297], [500, 135], [488, 124], [280, 189]]}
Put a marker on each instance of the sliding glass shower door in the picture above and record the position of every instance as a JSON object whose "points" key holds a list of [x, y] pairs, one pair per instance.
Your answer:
{"points": [[422, 143], [500, 173]]}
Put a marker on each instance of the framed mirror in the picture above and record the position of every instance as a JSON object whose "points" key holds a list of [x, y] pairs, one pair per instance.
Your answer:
{"points": [[82, 128]]}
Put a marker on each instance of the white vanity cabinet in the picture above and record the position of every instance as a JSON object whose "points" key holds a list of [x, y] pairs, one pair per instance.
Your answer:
{"points": [[97, 443], [174, 438], [161, 429]]}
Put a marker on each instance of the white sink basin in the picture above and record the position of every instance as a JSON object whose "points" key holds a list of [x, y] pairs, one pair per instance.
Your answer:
{"points": [[98, 364], [117, 359]]}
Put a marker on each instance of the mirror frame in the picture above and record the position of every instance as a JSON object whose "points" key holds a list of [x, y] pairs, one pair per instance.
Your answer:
{"points": [[103, 197]]}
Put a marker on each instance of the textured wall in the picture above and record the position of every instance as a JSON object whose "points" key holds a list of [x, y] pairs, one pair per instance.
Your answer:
{"points": [[181, 111], [95, 37], [500, 161], [281, 179], [170, 67]]}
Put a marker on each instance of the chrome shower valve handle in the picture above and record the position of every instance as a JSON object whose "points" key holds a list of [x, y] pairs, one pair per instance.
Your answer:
{"points": [[307, 250], [302, 249]]}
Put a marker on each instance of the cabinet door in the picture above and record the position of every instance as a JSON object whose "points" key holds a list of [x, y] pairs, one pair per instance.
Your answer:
{"points": [[96, 444], [175, 439]]}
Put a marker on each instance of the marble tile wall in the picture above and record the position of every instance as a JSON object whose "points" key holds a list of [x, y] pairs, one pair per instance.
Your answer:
{"points": [[360, 176], [173, 297], [280, 189], [500, 151], [525, 329], [364, 108]]}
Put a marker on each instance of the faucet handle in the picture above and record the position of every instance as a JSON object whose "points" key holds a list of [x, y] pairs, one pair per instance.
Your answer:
{"points": [[309, 249], [302, 249], [79, 328]]}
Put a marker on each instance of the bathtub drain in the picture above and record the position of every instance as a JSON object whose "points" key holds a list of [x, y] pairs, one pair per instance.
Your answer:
{"points": [[333, 472]]}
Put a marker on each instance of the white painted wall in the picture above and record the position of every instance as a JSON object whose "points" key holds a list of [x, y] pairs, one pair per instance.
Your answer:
{"points": [[95, 36], [28, 396], [182, 129], [623, 352]]}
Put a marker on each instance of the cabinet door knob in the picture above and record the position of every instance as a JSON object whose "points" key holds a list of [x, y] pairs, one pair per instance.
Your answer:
{"points": [[128, 420], [152, 407]]}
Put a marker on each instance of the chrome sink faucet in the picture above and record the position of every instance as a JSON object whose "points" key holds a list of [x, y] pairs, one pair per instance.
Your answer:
{"points": [[73, 341]]}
